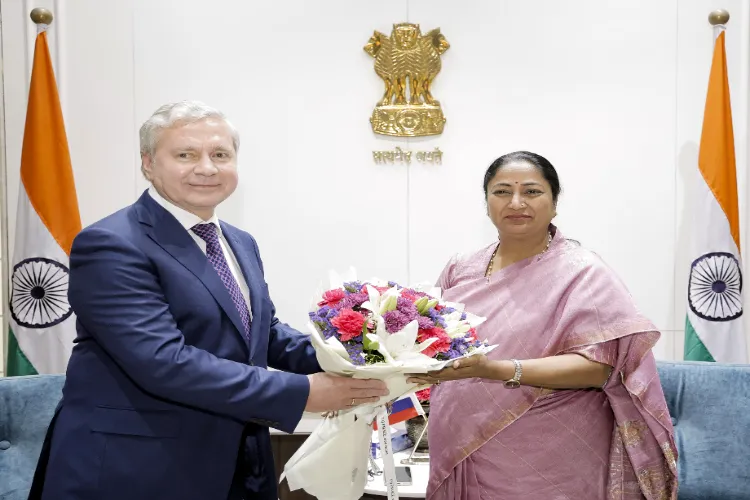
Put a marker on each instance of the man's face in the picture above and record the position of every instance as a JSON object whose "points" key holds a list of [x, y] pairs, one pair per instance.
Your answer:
{"points": [[194, 165]]}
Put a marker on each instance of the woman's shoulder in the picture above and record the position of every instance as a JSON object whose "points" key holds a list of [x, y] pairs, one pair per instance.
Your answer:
{"points": [[587, 261]]}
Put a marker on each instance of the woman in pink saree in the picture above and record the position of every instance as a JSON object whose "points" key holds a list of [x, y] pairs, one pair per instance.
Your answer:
{"points": [[569, 405]]}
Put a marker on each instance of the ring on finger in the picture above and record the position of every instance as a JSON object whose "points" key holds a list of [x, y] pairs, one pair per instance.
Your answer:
{"points": [[353, 403]]}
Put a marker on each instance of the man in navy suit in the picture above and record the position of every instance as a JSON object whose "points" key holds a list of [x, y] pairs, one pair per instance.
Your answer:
{"points": [[168, 395]]}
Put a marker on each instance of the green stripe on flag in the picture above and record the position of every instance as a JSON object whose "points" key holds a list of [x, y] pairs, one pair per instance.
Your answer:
{"points": [[18, 363], [695, 350]]}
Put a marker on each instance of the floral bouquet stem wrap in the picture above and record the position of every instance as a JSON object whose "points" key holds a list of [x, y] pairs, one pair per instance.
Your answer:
{"points": [[377, 330]]}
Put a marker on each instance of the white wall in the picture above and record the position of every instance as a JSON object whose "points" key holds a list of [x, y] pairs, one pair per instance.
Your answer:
{"points": [[611, 92]]}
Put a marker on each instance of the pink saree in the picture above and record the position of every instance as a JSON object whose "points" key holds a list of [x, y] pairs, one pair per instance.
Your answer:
{"points": [[490, 442]]}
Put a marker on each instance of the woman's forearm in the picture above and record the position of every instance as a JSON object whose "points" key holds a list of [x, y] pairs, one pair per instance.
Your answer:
{"points": [[566, 371]]}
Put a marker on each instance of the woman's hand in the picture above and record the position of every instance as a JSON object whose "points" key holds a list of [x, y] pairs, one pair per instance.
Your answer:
{"points": [[477, 366]]}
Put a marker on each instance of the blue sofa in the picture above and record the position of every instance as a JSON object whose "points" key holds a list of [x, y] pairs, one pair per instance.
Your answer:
{"points": [[709, 404], [710, 408], [26, 408]]}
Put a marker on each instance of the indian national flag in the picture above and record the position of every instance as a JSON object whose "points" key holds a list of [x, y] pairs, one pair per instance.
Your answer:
{"points": [[42, 326], [713, 330]]}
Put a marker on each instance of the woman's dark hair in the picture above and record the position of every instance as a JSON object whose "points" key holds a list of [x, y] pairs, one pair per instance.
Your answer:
{"points": [[540, 162]]}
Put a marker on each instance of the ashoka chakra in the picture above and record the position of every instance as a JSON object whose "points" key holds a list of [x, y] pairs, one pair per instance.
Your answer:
{"points": [[715, 287], [39, 293]]}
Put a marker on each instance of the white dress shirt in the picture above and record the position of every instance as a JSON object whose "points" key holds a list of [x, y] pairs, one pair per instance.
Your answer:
{"points": [[188, 220]]}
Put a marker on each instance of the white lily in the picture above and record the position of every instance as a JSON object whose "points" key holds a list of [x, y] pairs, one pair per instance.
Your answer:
{"points": [[380, 345], [380, 304], [454, 327], [403, 345]]}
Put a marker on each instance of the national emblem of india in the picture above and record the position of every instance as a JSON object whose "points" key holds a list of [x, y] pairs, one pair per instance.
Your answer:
{"points": [[408, 62]]}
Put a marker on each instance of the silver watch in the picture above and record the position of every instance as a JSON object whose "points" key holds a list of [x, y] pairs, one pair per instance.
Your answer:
{"points": [[515, 382]]}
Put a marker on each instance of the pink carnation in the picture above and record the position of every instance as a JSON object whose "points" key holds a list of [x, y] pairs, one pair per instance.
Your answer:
{"points": [[442, 344], [410, 295], [423, 395], [349, 324], [332, 297]]}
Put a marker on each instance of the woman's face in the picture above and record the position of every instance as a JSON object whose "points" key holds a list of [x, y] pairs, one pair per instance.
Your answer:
{"points": [[519, 200]]}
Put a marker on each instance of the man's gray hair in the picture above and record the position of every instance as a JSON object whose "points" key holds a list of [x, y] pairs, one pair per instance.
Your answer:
{"points": [[179, 113]]}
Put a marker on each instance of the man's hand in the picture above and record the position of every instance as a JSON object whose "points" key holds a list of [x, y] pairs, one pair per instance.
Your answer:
{"points": [[331, 393]]}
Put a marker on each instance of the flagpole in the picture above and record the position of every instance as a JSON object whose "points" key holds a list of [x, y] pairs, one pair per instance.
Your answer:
{"points": [[4, 222]]}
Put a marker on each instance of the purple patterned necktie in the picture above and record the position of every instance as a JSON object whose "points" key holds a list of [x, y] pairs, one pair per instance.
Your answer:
{"points": [[207, 232]]}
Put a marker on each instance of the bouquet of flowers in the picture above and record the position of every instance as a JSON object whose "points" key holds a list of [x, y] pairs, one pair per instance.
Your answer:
{"points": [[375, 329], [368, 318]]}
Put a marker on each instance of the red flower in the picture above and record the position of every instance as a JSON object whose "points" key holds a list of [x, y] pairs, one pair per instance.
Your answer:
{"points": [[423, 395], [442, 344], [332, 297], [349, 324]]}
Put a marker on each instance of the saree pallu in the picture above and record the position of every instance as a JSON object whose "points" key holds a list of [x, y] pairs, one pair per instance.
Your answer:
{"points": [[491, 442]]}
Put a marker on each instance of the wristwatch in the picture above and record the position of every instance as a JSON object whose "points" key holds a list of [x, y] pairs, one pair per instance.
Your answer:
{"points": [[515, 382]]}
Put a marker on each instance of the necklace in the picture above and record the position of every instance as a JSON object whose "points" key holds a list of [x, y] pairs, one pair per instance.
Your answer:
{"points": [[491, 265]]}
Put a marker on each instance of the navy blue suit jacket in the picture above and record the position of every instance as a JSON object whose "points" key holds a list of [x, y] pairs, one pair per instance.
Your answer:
{"points": [[164, 397]]}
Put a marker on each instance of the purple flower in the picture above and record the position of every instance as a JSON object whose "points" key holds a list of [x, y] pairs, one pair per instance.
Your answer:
{"points": [[395, 321], [356, 353], [407, 308], [353, 300], [323, 312], [322, 319], [353, 286], [459, 347], [425, 323], [436, 318]]}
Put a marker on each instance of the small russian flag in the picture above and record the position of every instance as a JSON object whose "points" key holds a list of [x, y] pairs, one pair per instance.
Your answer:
{"points": [[403, 409]]}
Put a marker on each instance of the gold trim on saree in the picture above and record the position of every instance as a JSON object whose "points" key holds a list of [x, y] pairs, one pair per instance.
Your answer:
{"points": [[632, 432]]}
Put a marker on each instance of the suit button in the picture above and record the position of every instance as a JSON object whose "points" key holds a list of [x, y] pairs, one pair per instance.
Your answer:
{"points": [[4, 445]]}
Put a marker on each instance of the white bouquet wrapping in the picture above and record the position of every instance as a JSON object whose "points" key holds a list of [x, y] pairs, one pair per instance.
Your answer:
{"points": [[374, 330]]}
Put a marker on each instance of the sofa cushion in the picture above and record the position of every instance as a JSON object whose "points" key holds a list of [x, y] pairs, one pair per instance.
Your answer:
{"points": [[710, 408], [26, 408]]}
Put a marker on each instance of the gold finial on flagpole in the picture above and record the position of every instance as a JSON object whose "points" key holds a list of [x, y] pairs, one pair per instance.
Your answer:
{"points": [[718, 17], [41, 16]]}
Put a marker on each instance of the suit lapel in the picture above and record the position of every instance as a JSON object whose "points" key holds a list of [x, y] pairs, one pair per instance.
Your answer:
{"points": [[164, 229], [253, 277]]}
